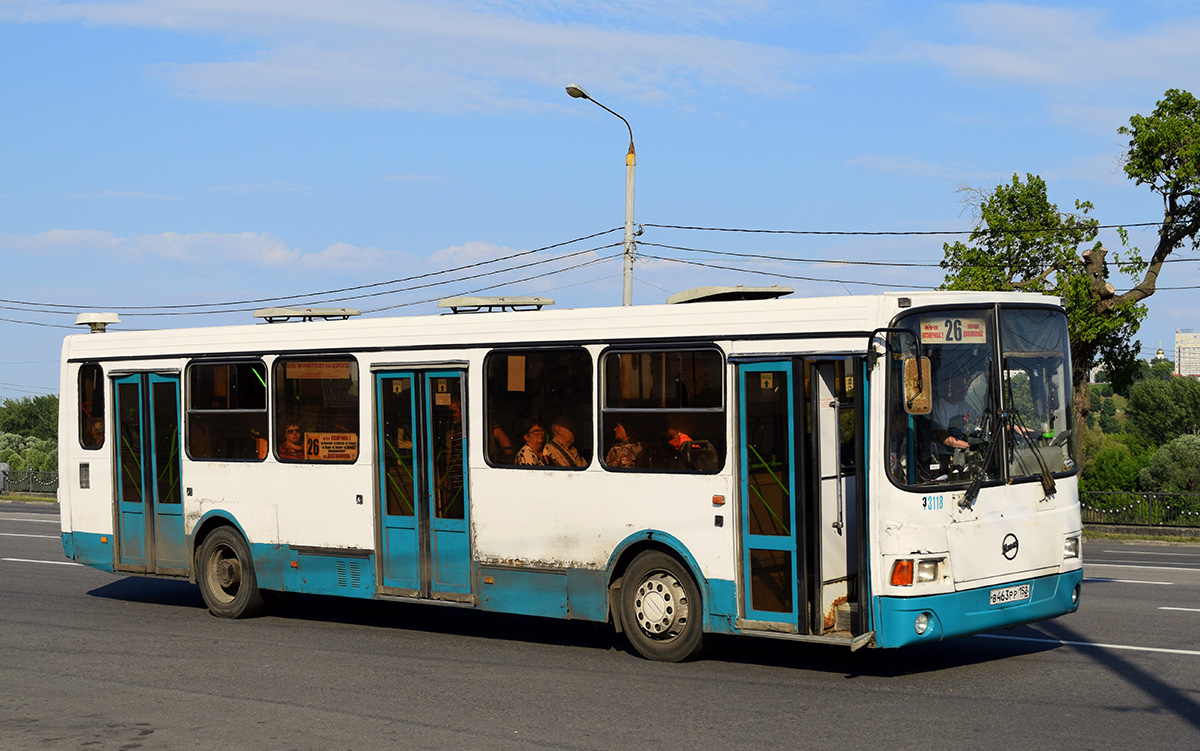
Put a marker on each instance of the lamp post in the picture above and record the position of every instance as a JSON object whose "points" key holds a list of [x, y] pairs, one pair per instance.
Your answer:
{"points": [[577, 92]]}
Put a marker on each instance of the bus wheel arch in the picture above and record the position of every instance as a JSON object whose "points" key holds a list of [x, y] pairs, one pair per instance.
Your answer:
{"points": [[225, 572], [656, 601]]}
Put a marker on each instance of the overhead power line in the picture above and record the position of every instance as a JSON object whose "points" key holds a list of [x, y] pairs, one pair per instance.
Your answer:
{"points": [[885, 233]]}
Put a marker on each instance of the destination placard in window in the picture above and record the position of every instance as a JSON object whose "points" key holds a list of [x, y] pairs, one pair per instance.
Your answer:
{"points": [[326, 369], [331, 447], [936, 330]]}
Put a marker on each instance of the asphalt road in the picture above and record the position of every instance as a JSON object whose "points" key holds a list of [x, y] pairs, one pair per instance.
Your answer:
{"points": [[95, 661]]}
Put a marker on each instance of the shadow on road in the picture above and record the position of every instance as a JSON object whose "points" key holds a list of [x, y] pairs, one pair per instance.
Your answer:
{"points": [[152, 591]]}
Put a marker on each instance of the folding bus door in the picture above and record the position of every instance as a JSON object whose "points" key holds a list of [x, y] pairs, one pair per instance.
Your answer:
{"points": [[772, 564], [835, 433], [149, 504], [424, 541]]}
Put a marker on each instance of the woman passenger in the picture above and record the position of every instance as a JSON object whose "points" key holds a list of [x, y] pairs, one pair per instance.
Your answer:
{"points": [[534, 435]]}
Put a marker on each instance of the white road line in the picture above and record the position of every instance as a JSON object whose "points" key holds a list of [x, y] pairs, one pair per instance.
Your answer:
{"points": [[1123, 581], [1097, 645], [1186, 610], [1139, 565], [1147, 552], [29, 560], [42, 537], [29, 519]]}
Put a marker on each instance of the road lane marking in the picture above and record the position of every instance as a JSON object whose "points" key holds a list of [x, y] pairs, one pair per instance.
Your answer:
{"points": [[30, 560], [1124, 581], [1186, 610], [1141, 566], [29, 519], [1098, 645], [1148, 552], [43, 537]]}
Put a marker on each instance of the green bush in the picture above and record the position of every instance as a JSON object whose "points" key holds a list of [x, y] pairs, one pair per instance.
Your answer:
{"points": [[22, 452]]}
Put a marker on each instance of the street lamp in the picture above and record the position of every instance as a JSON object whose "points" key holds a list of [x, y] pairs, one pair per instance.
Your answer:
{"points": [[577, 92]]}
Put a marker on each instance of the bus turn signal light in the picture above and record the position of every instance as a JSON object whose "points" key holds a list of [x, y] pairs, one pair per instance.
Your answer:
{"points": [[902, 573]]}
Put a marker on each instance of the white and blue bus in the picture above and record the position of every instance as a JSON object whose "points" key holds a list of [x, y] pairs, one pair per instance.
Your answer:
{"points": [[861, 470]]}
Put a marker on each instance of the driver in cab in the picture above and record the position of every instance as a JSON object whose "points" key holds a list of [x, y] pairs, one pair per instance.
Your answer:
{"points": [[952, 417]]}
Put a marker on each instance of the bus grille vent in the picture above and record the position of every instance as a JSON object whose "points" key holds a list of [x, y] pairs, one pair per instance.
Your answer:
{"points": [[349, 574]]}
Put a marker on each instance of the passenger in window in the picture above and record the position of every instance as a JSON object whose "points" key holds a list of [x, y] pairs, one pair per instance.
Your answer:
{"points": [[625, 452], [561, 451], [676, 435], [96, 433], [292, 448], [534, 436], [501, 448]]}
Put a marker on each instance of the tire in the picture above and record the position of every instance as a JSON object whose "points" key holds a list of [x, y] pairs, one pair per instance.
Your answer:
{"points": [[225, 573], [661, 613]]}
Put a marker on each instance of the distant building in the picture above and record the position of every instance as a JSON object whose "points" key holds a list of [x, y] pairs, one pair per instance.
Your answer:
{"points": [[1187, 353]]}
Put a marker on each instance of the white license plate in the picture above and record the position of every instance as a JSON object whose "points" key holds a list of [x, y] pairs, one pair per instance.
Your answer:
{"points": [[1009, 594]]}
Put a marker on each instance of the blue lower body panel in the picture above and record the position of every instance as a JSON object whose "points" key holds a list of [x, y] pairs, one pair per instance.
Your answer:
{"points": [[90, 549], [970, 612]]}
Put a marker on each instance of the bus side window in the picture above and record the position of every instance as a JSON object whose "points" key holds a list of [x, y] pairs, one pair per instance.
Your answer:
{"points": [[91, 406], [663, 410], [550, 387], [316, 410], [227, 410]]}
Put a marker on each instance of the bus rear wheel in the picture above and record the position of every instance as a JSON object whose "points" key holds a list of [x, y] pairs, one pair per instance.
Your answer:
{"points": [[660, 608], [226, 576]]}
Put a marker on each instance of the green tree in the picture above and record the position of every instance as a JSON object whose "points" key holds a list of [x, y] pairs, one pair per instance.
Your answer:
{"points": [[1023, 242], [1161, 370], [33, 416], [1159, 411], [1113, 467], [1175, 467]]}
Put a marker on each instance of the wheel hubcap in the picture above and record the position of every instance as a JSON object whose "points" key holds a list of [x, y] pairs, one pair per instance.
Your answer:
{"points": [[661, 605]]}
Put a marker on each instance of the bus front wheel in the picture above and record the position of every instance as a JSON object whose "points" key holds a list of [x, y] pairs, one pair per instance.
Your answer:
{"points": [[226, 575], [660, 608]]}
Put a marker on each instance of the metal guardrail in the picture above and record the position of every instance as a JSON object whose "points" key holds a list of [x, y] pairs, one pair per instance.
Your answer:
{"points": [[1132, 509], [29, 481]]}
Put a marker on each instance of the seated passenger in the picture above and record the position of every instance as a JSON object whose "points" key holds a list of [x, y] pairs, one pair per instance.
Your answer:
{"points": [[623, 454], [561, 451], [534, 435], [500, 446], [292, 448]]}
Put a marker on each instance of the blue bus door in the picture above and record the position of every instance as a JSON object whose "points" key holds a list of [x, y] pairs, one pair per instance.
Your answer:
{"points": [[149, 504], [424, 540], [772, 568]]}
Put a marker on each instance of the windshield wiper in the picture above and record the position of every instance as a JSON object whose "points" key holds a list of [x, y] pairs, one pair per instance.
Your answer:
{"points": [[968, 499], [1047, 478]]}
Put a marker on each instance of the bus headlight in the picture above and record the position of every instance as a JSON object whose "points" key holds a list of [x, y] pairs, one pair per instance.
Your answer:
{"points": [[927, 571], [1071, 547]]}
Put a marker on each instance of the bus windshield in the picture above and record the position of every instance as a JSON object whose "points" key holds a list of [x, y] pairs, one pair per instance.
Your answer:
{"points": [[1001, 407]]}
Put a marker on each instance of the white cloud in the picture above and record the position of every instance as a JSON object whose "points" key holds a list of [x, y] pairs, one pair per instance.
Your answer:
{"points": [[904, 165], [342, 257], [125, 194], [260, 188], [472, 251], [1056, 47], [250, 249], [444, 56]]}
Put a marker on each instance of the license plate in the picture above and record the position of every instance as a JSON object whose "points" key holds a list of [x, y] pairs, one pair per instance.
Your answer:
{"points": [[1009, 594]]}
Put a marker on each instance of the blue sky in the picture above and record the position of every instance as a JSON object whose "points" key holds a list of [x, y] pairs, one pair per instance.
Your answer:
{"points": [[185, 152]]}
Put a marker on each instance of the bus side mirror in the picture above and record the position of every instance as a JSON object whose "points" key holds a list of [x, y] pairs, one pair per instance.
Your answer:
{"points": [[918, 387]]}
